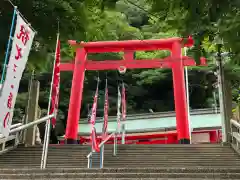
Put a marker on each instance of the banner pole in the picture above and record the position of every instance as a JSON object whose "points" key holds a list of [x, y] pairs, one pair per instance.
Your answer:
{"points": [[119, 112], [48, 122], [8, 46], [123, 133], [101, 156], [123, 112]]}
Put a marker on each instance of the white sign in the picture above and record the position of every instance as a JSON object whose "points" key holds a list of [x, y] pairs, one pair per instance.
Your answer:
{"points": [[21, 45]]}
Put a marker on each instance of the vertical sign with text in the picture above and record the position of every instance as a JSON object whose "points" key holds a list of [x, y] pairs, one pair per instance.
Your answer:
{"points": [[21, 46]]}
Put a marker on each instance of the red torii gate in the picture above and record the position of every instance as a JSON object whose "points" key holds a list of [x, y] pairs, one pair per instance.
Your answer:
{"points": [[176, 61]]}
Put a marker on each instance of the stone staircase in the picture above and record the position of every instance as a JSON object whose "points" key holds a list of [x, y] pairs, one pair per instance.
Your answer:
{"points": [[176, 155], [210, 161], [59, 156]]}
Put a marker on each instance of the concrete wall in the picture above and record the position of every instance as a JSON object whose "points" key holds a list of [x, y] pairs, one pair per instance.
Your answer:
{"points": [[197, 121]]}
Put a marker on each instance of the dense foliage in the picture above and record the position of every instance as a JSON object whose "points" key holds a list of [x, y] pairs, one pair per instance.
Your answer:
{"points": [[96, 20]]}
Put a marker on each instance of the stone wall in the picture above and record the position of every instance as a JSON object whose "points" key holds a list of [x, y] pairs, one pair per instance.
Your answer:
{"points": [[236, 113]]}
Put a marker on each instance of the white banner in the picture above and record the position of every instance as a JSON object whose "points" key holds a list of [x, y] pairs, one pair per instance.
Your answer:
{"points": [[21, 46]]}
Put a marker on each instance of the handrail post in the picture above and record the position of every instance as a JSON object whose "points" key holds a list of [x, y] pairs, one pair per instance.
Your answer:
{"points": [[89, 161], [235, 128], [123, 133], [115, 145], [101, 156], [231, 130], [88, 165], [16, 141], [3, 145]]}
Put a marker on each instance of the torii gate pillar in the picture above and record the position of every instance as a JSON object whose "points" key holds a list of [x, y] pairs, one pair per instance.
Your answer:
{"points": [[175, 61], [76, 97], [179, 89]]}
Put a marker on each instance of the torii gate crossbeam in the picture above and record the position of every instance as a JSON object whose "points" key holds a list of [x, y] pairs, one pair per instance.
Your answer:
{"points": [[175, 61]]}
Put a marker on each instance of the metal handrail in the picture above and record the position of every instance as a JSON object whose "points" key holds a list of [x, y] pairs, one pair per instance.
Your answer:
{"points": [[15, 128], [15, 125], [235, 135], [235, 123], [15, 132], [12, 127], [103, 142], [25, 126], [89, 156]]}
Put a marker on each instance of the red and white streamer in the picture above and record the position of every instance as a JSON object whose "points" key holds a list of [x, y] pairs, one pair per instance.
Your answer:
{"points": [[55, 84], [105, 119], [93, 121]]}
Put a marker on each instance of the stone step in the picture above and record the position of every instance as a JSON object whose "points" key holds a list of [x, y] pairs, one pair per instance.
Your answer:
{"points": [[84, 165], [124, 179], [176, 145], [158, 152], [80, 151], [129, 146], [169, 151], [133, 149], [115, 165], [123, 170], [168, 146], [121, 163], [125, 157], [38, 166], [130, 162], [157, 163], [121, 175], [72, 155], [176, 155], [138, 146], [120, 153]]}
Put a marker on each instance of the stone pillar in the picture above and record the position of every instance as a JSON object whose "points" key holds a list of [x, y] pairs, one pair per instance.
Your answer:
{"points": [[236, 114], [227, 97], [38, 140], [32, 114]]}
